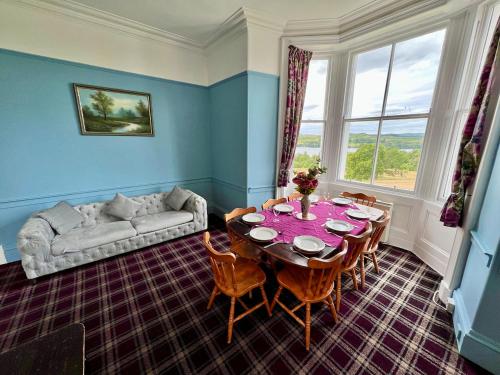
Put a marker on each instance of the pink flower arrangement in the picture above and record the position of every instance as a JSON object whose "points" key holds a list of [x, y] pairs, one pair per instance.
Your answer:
{"points": [[308, 182]]}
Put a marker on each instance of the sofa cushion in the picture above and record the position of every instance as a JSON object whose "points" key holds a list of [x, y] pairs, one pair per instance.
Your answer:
{"points": [[177, 198], [123, 207], [87, 237], [162, 220], [62, 217]]}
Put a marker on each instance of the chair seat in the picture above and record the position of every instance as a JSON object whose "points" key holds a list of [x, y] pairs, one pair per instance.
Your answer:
{"points": [[371, 250], [248, 276], [246, 250], [296, 278]]}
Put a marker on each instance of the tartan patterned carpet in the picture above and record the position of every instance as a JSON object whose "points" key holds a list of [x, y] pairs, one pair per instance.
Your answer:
{"points": [[145, 312]]}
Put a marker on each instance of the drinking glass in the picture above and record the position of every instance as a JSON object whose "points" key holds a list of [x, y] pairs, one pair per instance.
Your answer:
{"points": [[276, 214]]}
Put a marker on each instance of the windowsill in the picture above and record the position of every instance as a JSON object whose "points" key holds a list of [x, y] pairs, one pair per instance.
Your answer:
{"points": [[371, 188]]}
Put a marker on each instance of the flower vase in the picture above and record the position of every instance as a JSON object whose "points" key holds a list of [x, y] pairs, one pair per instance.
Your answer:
{"points": [[305, 204]]}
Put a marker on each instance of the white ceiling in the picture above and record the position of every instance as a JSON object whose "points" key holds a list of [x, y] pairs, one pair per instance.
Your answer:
{"points": [[198, 20]]}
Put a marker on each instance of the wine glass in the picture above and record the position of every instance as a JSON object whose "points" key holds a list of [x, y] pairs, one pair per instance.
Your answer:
{"points": [[276, 214]]}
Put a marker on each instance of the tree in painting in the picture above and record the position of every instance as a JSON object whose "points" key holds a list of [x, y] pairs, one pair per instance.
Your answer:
{"points": [[142, 109], [102, 103]]}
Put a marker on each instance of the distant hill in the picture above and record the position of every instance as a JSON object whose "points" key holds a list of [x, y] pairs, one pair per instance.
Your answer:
{"points": [[407, 141]]}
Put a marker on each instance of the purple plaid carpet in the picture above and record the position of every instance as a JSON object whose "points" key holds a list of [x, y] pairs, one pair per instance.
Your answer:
{"points": [[145, 312]]}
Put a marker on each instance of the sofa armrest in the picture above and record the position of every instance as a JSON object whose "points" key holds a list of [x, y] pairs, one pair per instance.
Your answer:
{"points": [[198, 206], [35, 238]]}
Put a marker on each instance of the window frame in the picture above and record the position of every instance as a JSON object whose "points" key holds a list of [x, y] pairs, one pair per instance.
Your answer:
{"points": [[347, 103], [326, 109]]}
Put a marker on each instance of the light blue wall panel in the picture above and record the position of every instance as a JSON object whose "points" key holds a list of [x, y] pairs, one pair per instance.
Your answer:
{"points": [[44, 158], [262, 135], [228, 123]]}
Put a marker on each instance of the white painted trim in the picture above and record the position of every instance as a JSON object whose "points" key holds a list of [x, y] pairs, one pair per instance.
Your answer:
{"points": [[90, 14], [362, 20], [3, 260]]}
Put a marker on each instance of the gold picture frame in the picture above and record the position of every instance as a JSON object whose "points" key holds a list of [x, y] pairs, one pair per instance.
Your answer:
{"points": [[110, 111]]}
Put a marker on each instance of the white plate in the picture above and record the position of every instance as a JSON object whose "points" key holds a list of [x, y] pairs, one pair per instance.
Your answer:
{"points": [[253, 218], [339, 226], [313, 198], [310, 216], [341, 201], [308, 244], [285, 208], [263, 234], [357, 214]]}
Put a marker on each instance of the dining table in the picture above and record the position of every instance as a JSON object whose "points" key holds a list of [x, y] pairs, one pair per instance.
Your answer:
{"points": [[288, 226]]}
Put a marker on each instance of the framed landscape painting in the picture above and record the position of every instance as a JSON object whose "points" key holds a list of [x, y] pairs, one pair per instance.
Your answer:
{"points": [[106, 111]]}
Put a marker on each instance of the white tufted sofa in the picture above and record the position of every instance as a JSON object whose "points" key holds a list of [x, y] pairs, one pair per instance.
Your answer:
{"points": [[36, 238]]}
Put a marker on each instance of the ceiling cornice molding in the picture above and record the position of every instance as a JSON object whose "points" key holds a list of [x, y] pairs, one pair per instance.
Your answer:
{"points": [[90, 14], [242, 19], [364, 19]]}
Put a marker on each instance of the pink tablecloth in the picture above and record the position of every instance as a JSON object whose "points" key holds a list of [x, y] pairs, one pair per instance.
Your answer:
{"points": [[289, 226]]}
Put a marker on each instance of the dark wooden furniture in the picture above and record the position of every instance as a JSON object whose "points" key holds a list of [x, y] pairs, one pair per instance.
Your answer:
{"points": [[60, 352], [280, 251]]}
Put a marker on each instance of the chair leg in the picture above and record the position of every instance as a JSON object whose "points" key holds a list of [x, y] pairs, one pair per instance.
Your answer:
{"points": [[266, 302], [308, 325], [276, 296], [332, 308], [338, 291], [354, 278], [375, 262], [231, 320], [212, 298], [362, 270]]}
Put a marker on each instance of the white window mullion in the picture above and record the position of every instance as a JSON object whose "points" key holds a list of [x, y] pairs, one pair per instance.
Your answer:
{"points": [[384, 103]]}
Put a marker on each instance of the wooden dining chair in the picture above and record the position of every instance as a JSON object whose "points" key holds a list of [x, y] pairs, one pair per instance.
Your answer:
{"points": [[371, 250], [234, 277], [367, 200], [271, 202], [355, 246], [238, 245], [295, 196], [310, 285]]}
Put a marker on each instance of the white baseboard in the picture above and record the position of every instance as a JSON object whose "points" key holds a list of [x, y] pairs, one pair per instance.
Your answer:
{"points": [[3, 260]]}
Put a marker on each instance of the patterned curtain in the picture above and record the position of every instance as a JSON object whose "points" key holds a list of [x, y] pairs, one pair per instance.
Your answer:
{"points": [[298, 68], [469, 154]]}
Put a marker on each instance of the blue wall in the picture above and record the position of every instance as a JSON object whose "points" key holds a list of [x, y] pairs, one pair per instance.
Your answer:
{"points": [[477, 327], [228, 122], [219, 141], [44, 159], [243, 118], [263, 93]]}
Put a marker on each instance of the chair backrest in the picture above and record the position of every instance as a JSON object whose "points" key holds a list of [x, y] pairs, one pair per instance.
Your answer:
{"points": [[322, 274], [356, 245], [271, 202], [367, 200], [222, 265], [238, 212], [294, 196], [378, 229]]}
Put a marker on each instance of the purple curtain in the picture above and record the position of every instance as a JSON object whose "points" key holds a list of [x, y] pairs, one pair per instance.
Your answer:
{"points": [[298, 68], [469, 154]]}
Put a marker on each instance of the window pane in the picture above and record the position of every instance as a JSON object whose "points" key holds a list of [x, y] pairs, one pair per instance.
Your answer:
{"points": [[360, 150], [308, 146], [399, 153], [369, 82], [314, 102], [414, 72]]}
